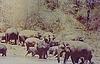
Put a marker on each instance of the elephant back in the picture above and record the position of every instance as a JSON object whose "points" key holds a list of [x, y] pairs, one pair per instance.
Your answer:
{"points": [[11, 30]]}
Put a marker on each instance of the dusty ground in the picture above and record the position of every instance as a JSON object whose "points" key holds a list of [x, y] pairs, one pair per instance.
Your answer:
{"points": [[16, 55]]}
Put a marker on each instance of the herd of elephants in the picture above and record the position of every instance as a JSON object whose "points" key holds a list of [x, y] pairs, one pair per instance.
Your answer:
{"points": [[43, 46]]}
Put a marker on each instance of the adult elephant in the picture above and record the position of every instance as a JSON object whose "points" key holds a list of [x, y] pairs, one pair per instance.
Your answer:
{"points": [[77, 50], [12, 34], [42, 47]]}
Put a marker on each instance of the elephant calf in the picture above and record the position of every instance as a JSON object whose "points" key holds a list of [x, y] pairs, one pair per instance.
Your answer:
{"points": [[3, 49], [30, 42]]}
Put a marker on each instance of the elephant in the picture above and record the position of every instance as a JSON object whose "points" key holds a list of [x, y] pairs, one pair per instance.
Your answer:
{"points": [[76, 50], [34, 43], [3, 49], [84, 54], [43, 47], [12, 34]]}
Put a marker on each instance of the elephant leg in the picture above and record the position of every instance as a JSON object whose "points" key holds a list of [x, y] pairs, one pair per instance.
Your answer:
{"points": [[19, 42], [90, 62], [82, 61], [88, 59], [15, 41], [8, 41], [44, 53], [23, 44], [66, 57], [58, 57], [40, 52], [86, 62], [54, 53], [5, 53], [2, 54], [33, 54], [27, 53], [76, 60], [73, 59]]}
